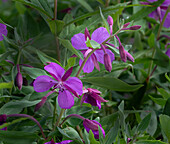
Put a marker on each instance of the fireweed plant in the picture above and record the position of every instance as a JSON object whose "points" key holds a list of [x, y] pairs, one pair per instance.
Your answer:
{"points": [[84, 79]]}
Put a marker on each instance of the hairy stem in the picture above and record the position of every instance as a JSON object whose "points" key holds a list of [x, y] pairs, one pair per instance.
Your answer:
{"points": [[72, 115], [59, 118], [55, 9]]}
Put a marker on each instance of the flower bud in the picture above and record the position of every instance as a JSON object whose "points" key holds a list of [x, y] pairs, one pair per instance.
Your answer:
{"points": [[129, 56], [87, 34], [168, 53], [110, 20], [135, 27], [122, 53], [19, 80], [40, 104], [126, 25], [107, 62]]}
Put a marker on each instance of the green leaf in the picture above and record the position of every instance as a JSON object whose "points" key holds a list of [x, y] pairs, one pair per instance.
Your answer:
{"points": [[101, 138], [67, 44], [144, 123], [121, 115], [150, 142], [34, 72], [165, 125], [14, 107], [92, 139], [167, 108], [164, 94], [34, 6], [151, 40], [167, 77], [159, 101], [85, 5], [112, 134], [6, 85], [45, 58], [11, 137], [92, 44], [20, 7], [111, 83], [104, 21]]}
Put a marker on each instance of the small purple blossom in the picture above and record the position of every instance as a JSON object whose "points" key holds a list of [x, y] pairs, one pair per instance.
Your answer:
{"points": [[168, 53], [3, 118], [63, 142], [110, 22], [3, 31], [63, 82], [159, 13], [79, 42], [93, 125], [92, 96]]}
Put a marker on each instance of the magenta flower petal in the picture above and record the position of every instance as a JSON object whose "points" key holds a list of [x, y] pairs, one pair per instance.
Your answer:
{"points": [[129, 56], [71, 90], [67, 74], [167, 20], [65, 99], [65, 142], [55, 70], [78, 41], [75, 84], [112, 56], [93, 125], [168, 53], [3, 31], [43, 83], [154, 15], [100, 55], [89, 66], [100, 35]]}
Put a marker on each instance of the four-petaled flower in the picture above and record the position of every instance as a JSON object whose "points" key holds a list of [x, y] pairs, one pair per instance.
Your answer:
{"points": [[63, 142], [63, 82], [79, 42], [93, 125], [92, 96], [3, 31]]}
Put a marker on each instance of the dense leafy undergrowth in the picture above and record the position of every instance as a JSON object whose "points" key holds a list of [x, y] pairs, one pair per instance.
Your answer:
{"points": [[84, 71]]}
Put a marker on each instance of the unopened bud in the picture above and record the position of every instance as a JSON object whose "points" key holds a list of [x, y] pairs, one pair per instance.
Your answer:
{"points": [[168, 53], [107, 62], [87, 34], [90, 124], [40, 104], [19, 80], [135, 27], [110, 20], [126, 25], [122, 53], [129, 56]]}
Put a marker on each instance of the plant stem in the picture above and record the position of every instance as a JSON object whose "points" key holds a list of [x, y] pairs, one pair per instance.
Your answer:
{"points": [[55, 9], [85, 60], [19, 56], [161, 25], [59, 118], [54, 113], [72, 115], [31, 118]]}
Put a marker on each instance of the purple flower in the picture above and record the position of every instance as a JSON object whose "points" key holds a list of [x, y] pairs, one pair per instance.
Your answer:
{"points": [[63, 82], [3, 31], [92, 96], [79, 42], [63, 142], [19, 80], [93, 125], [168, 53], [3, 120], [159, 13]]}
